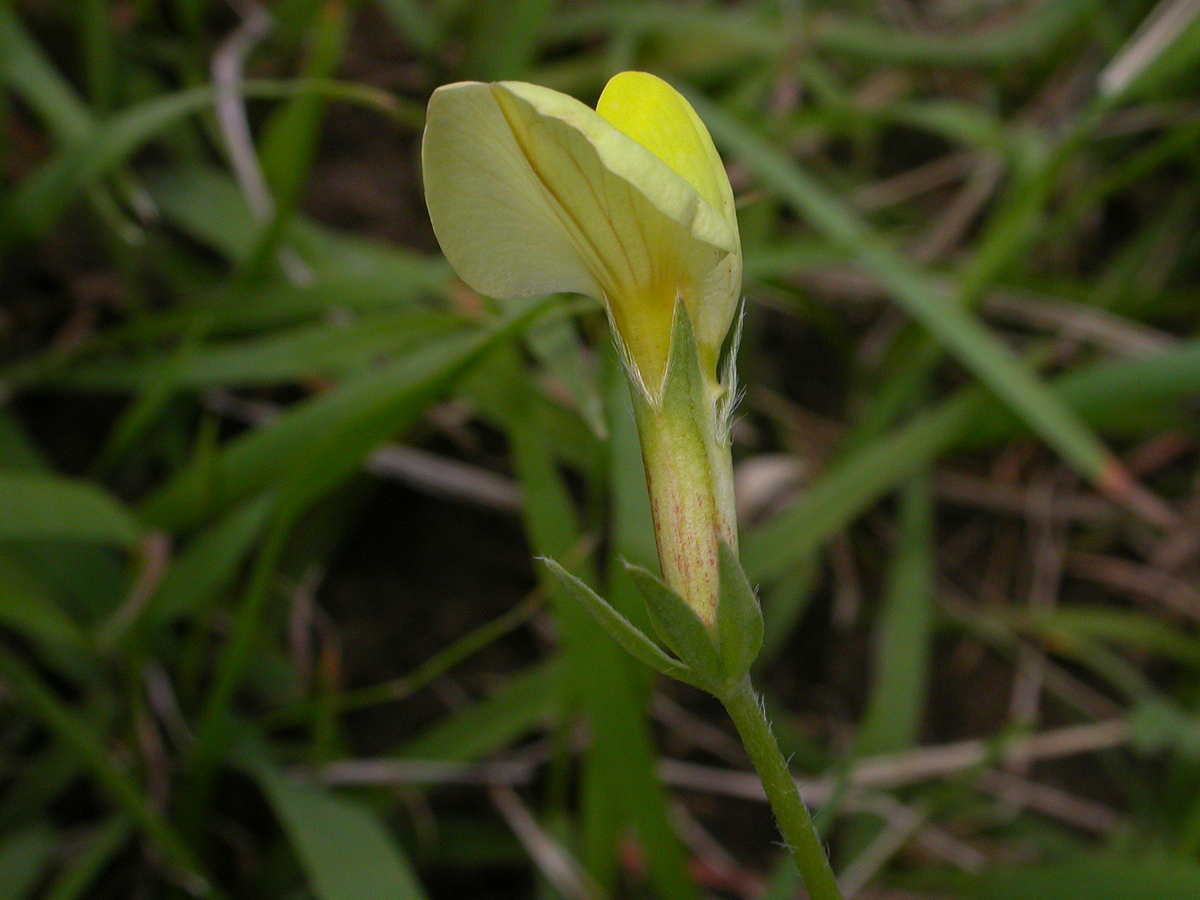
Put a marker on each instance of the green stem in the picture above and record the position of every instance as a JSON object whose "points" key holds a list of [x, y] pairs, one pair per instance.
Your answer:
{"points": [[790, 813]]}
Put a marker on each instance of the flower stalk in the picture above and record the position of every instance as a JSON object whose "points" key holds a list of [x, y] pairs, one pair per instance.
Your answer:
{"points": [[746, 710]]}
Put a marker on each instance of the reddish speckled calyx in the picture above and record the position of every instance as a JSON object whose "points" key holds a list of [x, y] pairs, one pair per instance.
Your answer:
{"points": [[684, 432], [690, 479]]}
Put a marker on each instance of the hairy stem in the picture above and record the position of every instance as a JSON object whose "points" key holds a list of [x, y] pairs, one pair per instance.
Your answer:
{"points": [[790, 813]]}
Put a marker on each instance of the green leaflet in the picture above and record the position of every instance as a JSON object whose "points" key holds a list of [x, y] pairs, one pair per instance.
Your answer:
{"points": [[680, 628], [621, 629]]}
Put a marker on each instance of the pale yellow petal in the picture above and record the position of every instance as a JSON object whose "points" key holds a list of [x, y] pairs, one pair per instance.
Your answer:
{"points": [[490, 213]]}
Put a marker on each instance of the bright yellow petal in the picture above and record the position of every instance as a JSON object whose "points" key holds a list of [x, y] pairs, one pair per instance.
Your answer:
{"points": [[659, 118]]}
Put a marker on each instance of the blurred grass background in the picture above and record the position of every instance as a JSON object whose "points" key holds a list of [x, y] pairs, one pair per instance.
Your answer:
{"points": [[271, 479]]}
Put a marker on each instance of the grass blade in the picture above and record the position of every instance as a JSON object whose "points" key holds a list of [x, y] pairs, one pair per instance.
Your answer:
{"points": [[345, 850], [904, 642], [23, 856], [40, 506]]}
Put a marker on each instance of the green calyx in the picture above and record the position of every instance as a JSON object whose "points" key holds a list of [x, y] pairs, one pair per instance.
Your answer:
{"points": [[684, 435]]}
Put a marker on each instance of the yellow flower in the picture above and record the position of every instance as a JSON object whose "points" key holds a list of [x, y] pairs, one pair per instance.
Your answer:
{"points": [[532, 192]]}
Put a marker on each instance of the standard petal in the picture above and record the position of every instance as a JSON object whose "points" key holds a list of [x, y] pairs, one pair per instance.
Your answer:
{"points": [[492, 217]]}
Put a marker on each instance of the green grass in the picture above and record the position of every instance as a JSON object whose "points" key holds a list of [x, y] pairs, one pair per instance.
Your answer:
{"points": [[963, 256]]}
